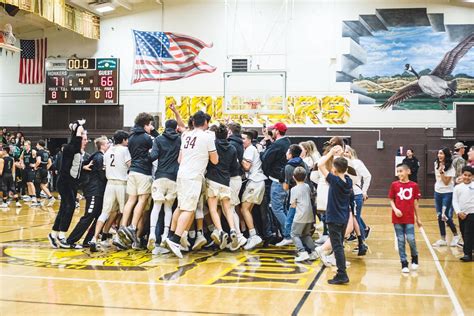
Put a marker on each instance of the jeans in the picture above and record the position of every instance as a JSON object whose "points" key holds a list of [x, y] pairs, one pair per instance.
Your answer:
{"points": [[467, 231], [408, 231], [278, 198], [336, 235], [67, 191], [289, 220], [443, 202], [359, 202]]}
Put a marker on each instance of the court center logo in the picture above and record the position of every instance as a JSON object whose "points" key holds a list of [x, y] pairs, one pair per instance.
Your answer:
{"points": [[202, 267]]}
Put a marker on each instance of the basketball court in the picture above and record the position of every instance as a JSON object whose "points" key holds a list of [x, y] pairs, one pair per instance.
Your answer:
{"points": [[260, 282], [391, 80]]}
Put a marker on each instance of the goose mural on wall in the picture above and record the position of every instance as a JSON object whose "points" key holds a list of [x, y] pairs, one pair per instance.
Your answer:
{"points": [[434, 83]]}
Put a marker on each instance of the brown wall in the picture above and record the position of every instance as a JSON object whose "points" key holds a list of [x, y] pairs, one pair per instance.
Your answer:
{"points": [[381, 163]]}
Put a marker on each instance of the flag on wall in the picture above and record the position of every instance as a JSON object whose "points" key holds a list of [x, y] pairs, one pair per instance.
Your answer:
{"points": [[33, 54], [165, 56]]}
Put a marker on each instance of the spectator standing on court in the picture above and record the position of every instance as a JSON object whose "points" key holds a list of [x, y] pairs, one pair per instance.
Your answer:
{"points": [[412, 162], [458, 160], [463, 204], [273, 163]]}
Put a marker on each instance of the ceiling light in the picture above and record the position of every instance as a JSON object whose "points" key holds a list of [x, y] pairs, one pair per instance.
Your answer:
{"points": [[104, 7]]}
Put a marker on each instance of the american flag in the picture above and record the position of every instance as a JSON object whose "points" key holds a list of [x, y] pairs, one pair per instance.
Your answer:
{"points": [[33, 53], [164, 56]]}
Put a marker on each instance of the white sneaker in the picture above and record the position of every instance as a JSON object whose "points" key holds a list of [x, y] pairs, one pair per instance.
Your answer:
{"points": [[160, 251], [35, 204], [321, 240], [405, 270], [440, 243], [175, 248], [215, 237], [151, 243], [285, 242], [3, 205], [200, 242], [18, 204], [455, 241], [253, 242], [313, 256], [241, 240], [331, 259], [51, 201], [302, 256], [324, 259], [414, 266]]}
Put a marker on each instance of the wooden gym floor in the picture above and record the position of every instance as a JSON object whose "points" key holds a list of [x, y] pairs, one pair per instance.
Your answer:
{"points": [[37, 279]]}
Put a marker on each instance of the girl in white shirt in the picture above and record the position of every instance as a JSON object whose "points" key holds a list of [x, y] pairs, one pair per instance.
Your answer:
{"points": [[443, 195]]}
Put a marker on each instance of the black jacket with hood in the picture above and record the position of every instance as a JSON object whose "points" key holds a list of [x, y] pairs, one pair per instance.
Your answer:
{"points": [[274, 158], [166, 150], [228, 163], [236, 141], [139, 145]]}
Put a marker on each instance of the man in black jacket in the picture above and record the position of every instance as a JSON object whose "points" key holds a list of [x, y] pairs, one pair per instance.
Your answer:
{"points": [[68, 178], [218, 188], [273, 163], [94, 194], [166, 150], [139, 178]]}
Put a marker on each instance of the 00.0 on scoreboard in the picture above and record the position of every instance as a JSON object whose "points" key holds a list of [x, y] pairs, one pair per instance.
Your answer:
{"points": [[90, 81]]}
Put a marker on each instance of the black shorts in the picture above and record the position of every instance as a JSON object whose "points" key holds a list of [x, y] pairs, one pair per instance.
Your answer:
{"points": [[42, 176], [30, 175], [8, 183]]}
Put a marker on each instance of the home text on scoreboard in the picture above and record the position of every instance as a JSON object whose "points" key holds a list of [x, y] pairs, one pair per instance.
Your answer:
{"points": [[90, 81]]}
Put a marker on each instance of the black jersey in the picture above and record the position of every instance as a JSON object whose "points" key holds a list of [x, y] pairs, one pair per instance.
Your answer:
{"points": [[8, 165], [28, 158], [44, 155]]}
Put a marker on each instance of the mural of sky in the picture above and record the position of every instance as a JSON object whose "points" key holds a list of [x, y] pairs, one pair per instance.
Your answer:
{"points": [[389, 51]]}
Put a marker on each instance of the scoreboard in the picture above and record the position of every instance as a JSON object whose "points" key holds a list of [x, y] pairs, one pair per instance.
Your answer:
{"points": [[90, 81]]}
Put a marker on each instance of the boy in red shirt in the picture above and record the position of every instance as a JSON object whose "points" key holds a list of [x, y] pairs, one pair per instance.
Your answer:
{"points": [[404, 195]]}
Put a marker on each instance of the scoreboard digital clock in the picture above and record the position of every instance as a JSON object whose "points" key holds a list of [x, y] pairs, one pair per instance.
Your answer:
{"points": [[90, 81]]}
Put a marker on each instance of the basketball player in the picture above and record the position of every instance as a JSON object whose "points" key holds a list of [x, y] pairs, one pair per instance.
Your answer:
{"points": [[254, 190], [218, 188], [139, 179], [94, 193], [8, 175], [166, 150], [28, 159], [69, 174], [197, 149], [117, 162], [42, 165]]}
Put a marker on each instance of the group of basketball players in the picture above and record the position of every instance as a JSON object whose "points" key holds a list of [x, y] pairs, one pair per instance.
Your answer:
{"points": [[30, 166]]}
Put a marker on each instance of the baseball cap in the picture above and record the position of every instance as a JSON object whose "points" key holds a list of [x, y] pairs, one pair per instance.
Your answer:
{"points": [[281, 127], [459, 145]]}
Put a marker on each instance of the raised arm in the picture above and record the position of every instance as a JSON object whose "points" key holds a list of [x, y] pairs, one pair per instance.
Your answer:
{"points": [[324, 159], [177, 116]]}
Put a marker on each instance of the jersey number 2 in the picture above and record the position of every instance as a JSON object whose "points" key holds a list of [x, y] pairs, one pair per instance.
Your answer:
{"points": [[190, 142], [113, 160]]}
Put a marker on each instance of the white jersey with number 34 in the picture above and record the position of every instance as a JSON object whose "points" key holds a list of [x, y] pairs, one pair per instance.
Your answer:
{"points": [[115, 161], [195, 148]]}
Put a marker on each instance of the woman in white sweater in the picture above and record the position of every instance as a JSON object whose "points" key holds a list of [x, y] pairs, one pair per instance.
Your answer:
{"points": [[361, 184]]}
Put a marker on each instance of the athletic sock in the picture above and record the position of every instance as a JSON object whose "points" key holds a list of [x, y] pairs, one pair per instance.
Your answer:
{"points": [[175, 238], [166, 231], [170, 234], [199, 232], [360, 240], [62, 235], [192, 234], [252, 232], [54, 234], [211, 227]]}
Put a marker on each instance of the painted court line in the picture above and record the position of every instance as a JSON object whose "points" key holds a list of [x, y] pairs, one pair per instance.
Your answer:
{"points": [[452, 295], [220, 286]]}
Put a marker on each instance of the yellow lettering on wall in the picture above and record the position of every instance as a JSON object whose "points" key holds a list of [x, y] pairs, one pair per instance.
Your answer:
{"points": [[335, 109]]}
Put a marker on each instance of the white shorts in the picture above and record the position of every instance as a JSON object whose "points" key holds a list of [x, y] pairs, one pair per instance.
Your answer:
{"points": [[254, 192], [163, 189], [115, 196], [217, 190], [189, 191], [235, 186], [138, 184]]}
